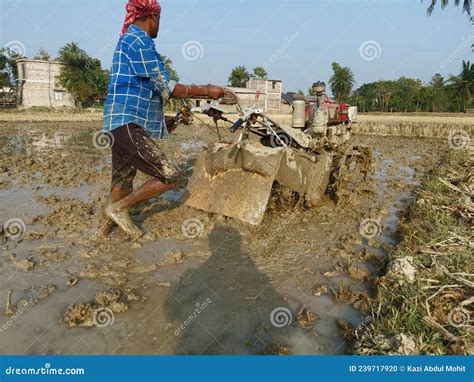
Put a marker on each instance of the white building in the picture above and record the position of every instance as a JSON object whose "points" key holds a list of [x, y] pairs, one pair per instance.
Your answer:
{"points": [[270, 91], [263, 94], [38, 84]]}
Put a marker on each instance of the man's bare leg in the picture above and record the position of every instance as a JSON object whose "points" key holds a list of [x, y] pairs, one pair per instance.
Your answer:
{"points": [[119, 211], [106, 225]]}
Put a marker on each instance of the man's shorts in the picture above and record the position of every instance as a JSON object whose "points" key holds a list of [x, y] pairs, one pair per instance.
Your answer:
{"points": [[133, 149]]}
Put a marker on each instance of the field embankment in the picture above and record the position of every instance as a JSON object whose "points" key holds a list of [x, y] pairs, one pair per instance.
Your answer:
{"points": [[425, 300]]}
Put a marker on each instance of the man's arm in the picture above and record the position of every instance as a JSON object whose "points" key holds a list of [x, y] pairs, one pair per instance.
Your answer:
{"points": [[147, 63], [209, 91]]}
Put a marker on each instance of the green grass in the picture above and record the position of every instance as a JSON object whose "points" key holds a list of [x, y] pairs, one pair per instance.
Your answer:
{"points": [[432, 219]]}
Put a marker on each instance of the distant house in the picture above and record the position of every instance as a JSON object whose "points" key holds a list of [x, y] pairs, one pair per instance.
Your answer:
{"points": [[38, 84], [268, 92]]}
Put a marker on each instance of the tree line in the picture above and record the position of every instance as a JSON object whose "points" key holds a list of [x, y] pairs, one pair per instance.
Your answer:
{"points": [[452, 94], [84, 78]]}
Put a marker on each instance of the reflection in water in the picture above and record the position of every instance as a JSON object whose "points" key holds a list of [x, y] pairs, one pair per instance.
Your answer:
{"points": [[33, 142]]}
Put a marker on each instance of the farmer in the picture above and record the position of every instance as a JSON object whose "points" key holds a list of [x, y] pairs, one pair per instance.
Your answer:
{"points": [[139, 85]]}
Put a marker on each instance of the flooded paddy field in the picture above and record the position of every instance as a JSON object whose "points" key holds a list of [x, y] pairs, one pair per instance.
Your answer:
{"points": [[204, 284]]}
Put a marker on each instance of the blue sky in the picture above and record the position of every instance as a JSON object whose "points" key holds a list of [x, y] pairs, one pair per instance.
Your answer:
{"points": [[296, 40]]}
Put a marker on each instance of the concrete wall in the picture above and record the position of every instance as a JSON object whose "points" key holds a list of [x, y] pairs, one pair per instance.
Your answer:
{"points": [[271, 93], [39, 85]]}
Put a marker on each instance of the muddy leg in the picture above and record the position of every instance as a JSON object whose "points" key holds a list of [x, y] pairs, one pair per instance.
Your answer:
{"points": [[106, 225], [119, 211]]}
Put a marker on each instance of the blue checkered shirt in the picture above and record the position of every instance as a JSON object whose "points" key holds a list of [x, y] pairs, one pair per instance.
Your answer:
{"points": [[138, 85]]}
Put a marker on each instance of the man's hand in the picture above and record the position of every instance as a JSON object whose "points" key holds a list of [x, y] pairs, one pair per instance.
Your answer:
{"points": [[215, 92], [171, 124]]}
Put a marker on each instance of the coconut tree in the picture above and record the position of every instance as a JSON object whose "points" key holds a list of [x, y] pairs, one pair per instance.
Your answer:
{"points": [[260, 73], [463, 84], [342, 81], [466, 5], [81, 74], [239, 77]]}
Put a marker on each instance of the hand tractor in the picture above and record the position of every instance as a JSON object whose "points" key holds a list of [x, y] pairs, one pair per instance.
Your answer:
{"points": [[313, 158]]}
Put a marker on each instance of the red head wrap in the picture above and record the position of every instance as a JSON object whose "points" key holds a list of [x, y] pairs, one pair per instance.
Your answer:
{"points": [[140, 8]]}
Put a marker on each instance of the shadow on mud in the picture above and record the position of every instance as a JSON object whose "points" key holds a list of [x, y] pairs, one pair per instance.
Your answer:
{"points": [[217, 308]]}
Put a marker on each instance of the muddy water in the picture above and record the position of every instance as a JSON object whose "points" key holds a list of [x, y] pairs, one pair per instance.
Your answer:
{"points": [[222, 288]]}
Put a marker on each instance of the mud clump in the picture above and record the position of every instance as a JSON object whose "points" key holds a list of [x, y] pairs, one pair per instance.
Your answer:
{"points": [[359, 300], [80, 315], [69, 214], [276, 348], [399, 344], [54, 255], [402, 270], [358, 273], [349, 174], [98, 313], [319, 290], [25, 265], [173, 258], [365, 344], [306, 319]]}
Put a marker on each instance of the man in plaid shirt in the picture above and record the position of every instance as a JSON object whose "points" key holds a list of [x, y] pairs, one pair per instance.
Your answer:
{"points": [[139, 84]]}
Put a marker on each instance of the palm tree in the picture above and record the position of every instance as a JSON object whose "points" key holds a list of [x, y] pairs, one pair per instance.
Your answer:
{"points": [[342, 81], [260, 73], [466, 6], [463, 83], [239, 77], [80, 73]]}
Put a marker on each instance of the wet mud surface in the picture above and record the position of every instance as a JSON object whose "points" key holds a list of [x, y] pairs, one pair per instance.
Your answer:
{"points": [[205, 284]]}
